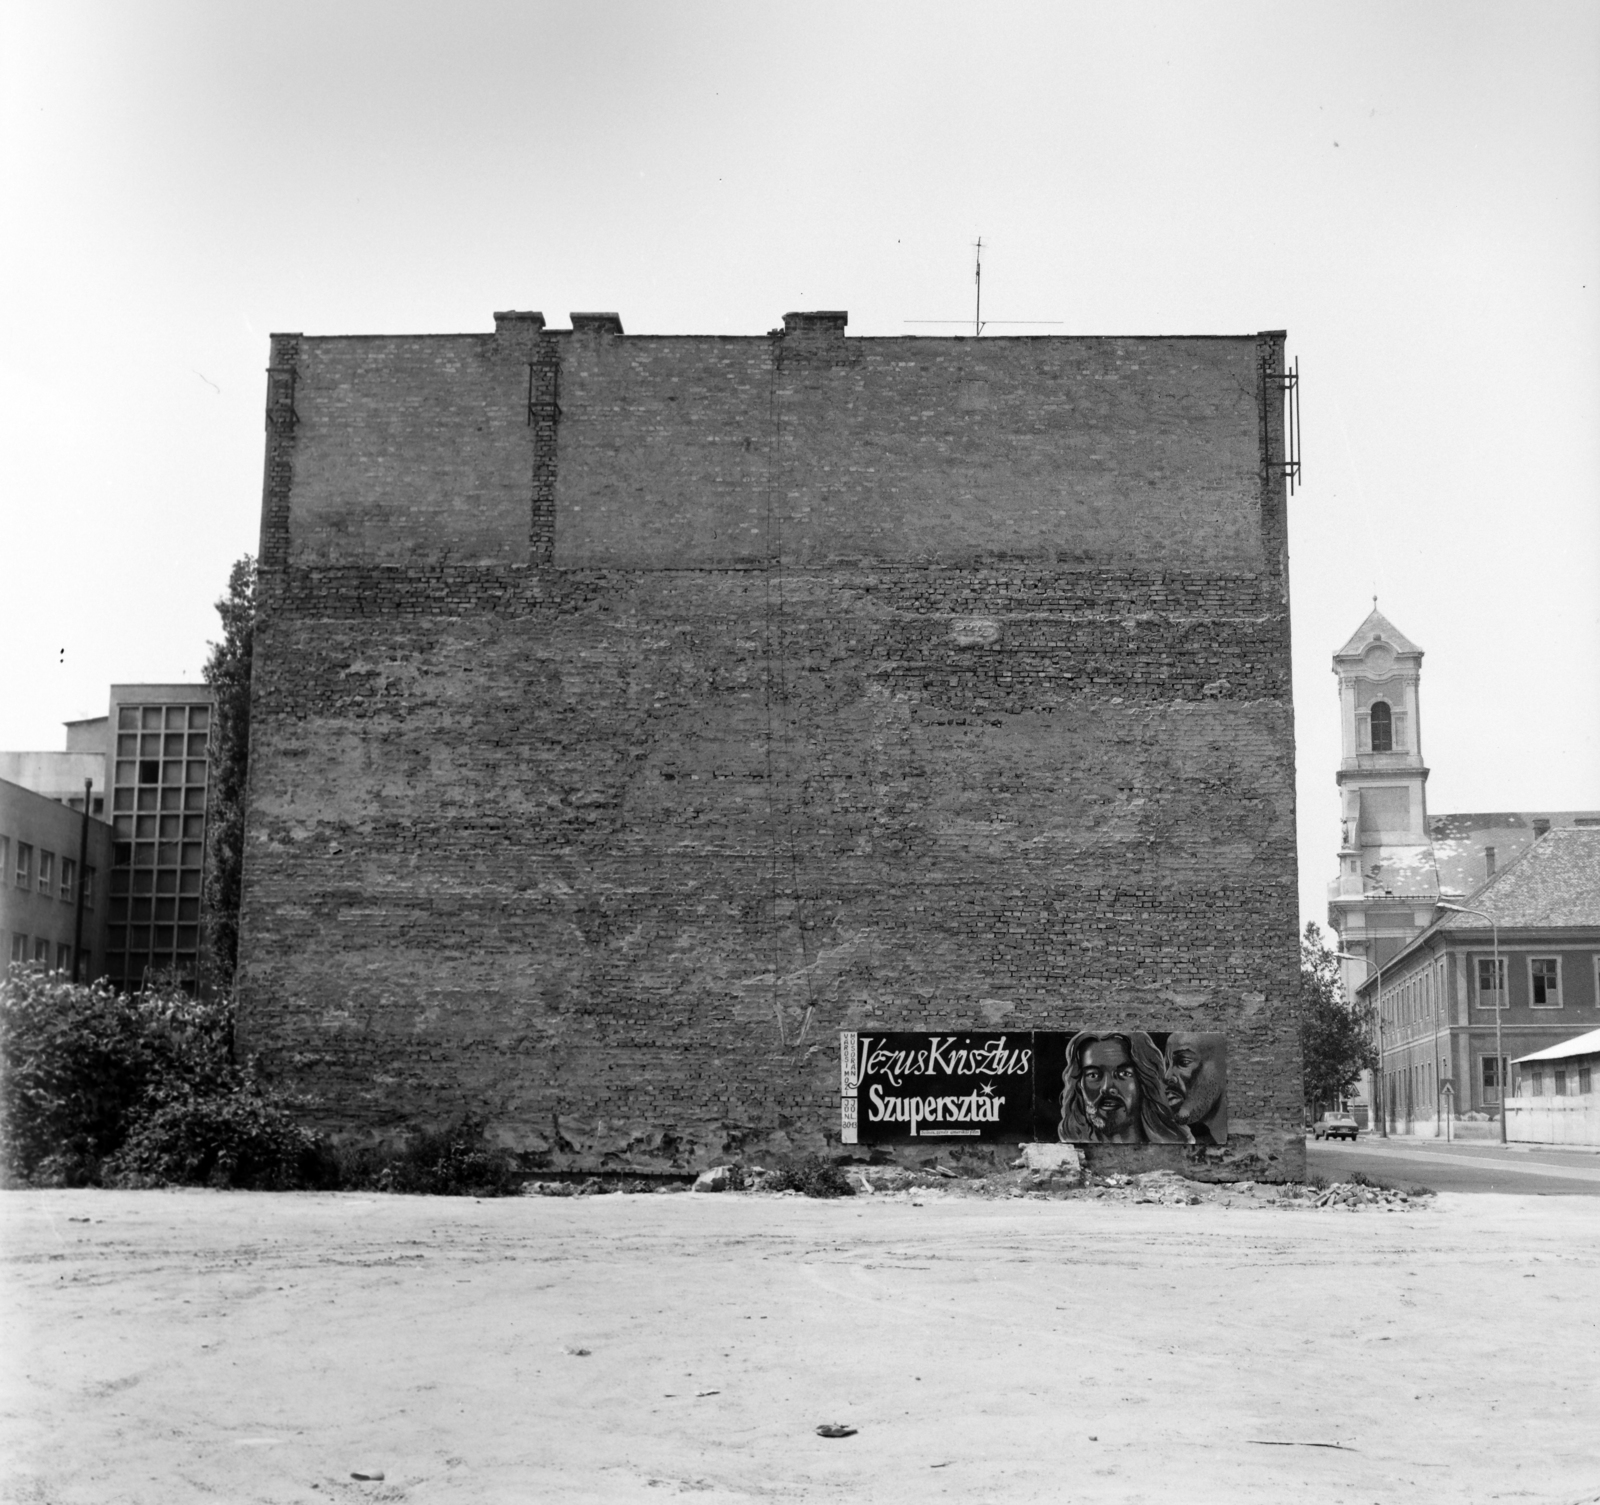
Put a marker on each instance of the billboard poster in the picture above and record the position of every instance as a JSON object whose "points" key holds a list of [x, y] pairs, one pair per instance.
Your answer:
{"points": [[1112, 1086]]}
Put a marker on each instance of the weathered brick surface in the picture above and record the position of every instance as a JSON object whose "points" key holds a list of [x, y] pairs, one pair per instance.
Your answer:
{"points": [[601, 818]]}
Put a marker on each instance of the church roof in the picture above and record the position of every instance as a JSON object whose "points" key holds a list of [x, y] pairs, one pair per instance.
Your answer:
{"points": [[1377, 626]]}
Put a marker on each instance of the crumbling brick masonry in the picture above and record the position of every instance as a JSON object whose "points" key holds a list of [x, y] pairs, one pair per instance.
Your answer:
{"points": [[633, 714]]}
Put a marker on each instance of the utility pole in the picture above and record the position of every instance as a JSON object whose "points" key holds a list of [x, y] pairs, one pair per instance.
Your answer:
{"points": [[1502, 1001]]}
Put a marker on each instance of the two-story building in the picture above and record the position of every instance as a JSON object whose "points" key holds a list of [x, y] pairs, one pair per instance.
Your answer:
{"points": [[1523, 950]]}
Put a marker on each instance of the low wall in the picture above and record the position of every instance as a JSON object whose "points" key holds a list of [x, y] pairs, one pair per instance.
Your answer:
{"points": [[1574, 1119]]}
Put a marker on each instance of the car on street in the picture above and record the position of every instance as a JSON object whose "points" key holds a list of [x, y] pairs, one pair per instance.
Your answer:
{"points": [[1334, 1126]]}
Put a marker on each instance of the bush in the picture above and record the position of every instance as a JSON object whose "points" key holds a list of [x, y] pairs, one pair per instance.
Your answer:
{"points": [[450, 1162], [139, 1089], [813, 1175]]}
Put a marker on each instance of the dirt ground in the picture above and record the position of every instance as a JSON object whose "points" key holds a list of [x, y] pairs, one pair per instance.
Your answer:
{"points": [[200, 1346]]}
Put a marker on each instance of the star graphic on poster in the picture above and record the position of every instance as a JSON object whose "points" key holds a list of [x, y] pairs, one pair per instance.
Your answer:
{"points": [[988, 1089]]}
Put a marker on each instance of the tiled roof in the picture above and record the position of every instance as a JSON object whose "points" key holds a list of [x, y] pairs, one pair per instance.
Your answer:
{"points": [[1554, 883]]}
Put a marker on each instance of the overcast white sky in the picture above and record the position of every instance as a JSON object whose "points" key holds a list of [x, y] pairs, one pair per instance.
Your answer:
{"points": [[1412, 190]]}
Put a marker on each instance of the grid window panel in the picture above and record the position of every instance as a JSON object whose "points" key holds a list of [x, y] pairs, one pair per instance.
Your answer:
{"points": [[122, 800], [161, 938], [197, 771], [189, 882], [189, 909], [199, 717], [172, 773], [128, 745], [171, 827], [117, 937], [187, 935], [172, 799], [197, 744], [120, 881], [177, 716], [150, 718], [150, 745], [139, 910], [122, 825], [194, 827], [128, 718], [167, 854], [145, 826], [193, 854], [166, 909], [127, 772], [166, 882], [144, 854], [149, 770], [144, 883], [172, 745]]}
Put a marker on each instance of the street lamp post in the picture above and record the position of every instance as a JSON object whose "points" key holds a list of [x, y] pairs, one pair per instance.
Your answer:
{"points": [[1502, 1001], [1380, 1104]]}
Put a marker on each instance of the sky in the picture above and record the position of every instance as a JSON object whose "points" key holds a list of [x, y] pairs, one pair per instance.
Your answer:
{"points": [[1412, 190]]}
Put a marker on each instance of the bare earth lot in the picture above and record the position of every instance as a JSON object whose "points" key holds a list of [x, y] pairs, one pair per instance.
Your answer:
{"points": [[189, 1346]]}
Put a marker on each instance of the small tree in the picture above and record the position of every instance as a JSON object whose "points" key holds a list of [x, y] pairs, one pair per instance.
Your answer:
{"points": [[227, 671], [1336, 1037]]}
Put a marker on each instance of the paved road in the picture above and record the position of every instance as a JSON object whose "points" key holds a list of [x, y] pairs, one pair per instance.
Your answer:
{"points": [[1459, 1167]]}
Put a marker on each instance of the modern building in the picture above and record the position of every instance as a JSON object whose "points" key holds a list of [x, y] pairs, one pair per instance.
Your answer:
{"points": [[49, 857], [1554, 1098], [146, 765], [1439, 996], [633, 716]]}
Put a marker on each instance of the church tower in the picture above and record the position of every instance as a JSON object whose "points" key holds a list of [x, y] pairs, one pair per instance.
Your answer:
{"points": [[1388, 881]]}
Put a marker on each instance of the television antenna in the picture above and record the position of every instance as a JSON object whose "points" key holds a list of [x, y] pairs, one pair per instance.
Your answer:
{"points": [[978, 320]]}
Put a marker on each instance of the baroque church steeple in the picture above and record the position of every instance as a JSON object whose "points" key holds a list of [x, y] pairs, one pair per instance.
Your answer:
{"points": [[1388, 881]]}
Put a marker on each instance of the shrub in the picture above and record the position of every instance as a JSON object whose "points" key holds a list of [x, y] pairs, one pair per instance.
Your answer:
{"points": [[813, 1175], [241, 1137], [137, 1089], [451, 1162]]}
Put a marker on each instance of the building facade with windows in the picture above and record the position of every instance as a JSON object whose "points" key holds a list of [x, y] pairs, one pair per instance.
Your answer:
{"points": [[146, 762], [156, 766], [42, 844], [1439, 996], [1396, 861], [1554, 1098]]}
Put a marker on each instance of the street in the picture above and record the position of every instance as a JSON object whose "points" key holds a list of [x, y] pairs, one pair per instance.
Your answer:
{"points": [[1470, 1167]]}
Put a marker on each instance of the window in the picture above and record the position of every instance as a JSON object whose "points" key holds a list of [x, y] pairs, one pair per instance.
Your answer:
{"points": [[47, 871], [41, 950], [19, 948], [1544, 977], [24, 865], [63, 957], [69, 875], [1585, 1080], [1491, 991], [5, 866], [1382, 720], [1535, 1081], [149, 770], [1561, 1081]]}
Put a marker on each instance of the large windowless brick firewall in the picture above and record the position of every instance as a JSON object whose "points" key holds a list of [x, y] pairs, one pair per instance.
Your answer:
{"points": [[632, 715]]}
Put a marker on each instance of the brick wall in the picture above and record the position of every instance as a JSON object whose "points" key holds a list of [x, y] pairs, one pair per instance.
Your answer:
{"points": [[813, 684]]}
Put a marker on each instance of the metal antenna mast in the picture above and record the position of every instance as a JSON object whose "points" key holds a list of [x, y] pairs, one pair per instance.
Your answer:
{"points": [[977, 277], [978, 321]]}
